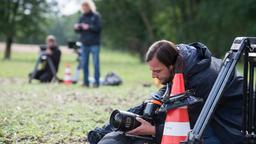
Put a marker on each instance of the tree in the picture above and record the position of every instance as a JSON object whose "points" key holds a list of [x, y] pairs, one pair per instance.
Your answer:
{"points": [[21, 18], [130, 24], [133, 25]]}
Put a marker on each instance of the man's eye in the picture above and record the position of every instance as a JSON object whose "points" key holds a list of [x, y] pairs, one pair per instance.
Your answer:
{"points": [[157, 71]]}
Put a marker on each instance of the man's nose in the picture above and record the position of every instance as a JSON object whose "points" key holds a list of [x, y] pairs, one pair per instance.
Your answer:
{"points": [[154, 75]]}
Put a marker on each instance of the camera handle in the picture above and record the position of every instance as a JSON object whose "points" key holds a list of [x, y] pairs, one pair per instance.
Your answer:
{"points": [[240, 46], [179, 100]]}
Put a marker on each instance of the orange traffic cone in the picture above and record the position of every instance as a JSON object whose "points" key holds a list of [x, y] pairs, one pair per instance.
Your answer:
{"points": [[67, 75], [177, 124]]}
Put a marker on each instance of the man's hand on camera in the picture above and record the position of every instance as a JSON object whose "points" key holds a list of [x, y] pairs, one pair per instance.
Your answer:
{"points": [[144, 129]]}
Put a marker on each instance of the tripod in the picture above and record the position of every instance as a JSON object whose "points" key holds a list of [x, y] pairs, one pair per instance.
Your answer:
{"points": [[78, 67], [43, 57], [76, 46], [241, 46]]}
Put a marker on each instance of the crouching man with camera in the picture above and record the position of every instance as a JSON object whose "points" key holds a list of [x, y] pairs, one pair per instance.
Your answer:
{"points": [[200, 71], [50, 56]]}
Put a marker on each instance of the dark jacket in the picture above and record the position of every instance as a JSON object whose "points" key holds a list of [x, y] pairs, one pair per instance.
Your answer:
{"points": [[55, 57], [92, 35], [200, 71]]}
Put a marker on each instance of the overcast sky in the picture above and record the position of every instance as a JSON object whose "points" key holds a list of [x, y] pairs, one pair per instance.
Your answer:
{"points": [[68, 7]]}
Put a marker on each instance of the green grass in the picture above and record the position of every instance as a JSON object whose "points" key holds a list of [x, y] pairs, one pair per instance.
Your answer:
{"points": [[55, 113]]}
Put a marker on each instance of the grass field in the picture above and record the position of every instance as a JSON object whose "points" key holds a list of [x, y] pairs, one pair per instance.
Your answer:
{"points": [[55, 113]]}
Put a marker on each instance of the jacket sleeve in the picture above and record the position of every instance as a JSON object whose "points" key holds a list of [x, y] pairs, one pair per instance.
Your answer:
{"points": [[95, 26]]}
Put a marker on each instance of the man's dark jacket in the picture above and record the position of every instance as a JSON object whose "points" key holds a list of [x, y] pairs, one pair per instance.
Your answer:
{"points": [[55, 57], [200, 71], [45, 74], [92, 35]]}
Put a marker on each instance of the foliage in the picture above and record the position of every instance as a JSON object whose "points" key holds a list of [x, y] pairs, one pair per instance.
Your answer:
{"points": [[22, 19], [62, 28], [133, 25]]}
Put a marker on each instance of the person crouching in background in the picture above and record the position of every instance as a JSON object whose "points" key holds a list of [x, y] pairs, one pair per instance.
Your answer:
{"points": [[53, 53], [89, 27]]}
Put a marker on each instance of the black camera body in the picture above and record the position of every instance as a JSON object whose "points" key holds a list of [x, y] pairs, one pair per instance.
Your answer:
{"points": [[43, 55], [74, 45], [42, 47]]}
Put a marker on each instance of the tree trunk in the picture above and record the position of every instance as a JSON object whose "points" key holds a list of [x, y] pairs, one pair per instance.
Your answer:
{"points": [[7, 53]]}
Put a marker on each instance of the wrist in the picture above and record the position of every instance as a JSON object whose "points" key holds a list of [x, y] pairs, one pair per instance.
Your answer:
{"points": [[153, 130]]}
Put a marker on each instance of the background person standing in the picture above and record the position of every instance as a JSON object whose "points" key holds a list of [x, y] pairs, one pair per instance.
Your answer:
{"points": [[89, 27]]}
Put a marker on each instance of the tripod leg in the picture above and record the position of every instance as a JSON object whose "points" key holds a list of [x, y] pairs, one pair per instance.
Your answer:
{"points": [[76, 75], [253, 104], [77, 71], [35, 70], [254, 107]]}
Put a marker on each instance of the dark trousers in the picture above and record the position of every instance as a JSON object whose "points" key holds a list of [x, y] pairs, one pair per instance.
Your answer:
{"points": [[43, 76], [210, 136], [120, 138]]}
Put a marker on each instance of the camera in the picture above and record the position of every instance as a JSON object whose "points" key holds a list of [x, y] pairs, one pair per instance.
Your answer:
{"points": [[74, 45], [43, 55], [123, 121], [126, 121], [42, 47], [79, 28]]}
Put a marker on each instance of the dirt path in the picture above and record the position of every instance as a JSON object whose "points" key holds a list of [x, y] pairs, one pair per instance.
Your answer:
{"points": [[29, 48]]}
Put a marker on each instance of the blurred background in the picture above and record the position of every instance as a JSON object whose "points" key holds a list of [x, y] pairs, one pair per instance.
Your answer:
{"points": [[130, 25], [56, 113]]}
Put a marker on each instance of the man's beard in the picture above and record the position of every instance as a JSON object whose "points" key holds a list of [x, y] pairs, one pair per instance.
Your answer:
{"points": [[169, 80]]}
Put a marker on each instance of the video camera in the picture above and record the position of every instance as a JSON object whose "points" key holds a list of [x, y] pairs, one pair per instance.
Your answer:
{"points": [[42, 47], [43, 55], [74, 45], [126, 121]]}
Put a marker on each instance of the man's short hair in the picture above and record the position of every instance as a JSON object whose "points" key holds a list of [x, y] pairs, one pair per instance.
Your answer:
{"points": [[165, 51], [50, 37]]}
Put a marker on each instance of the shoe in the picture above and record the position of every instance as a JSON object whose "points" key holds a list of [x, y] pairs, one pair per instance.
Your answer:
{"points": [[85, 85], [95, 85]]}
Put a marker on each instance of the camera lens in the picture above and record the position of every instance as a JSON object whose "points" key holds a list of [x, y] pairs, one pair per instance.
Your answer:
{"points": [[117, 120], [123, 121]]}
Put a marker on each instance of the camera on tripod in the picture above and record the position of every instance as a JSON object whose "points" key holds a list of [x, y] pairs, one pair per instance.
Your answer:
{"points": [[43, 55], [74, 45]]}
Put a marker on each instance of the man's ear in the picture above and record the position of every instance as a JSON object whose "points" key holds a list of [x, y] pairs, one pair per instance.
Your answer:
{"points": [[170, 67]]}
